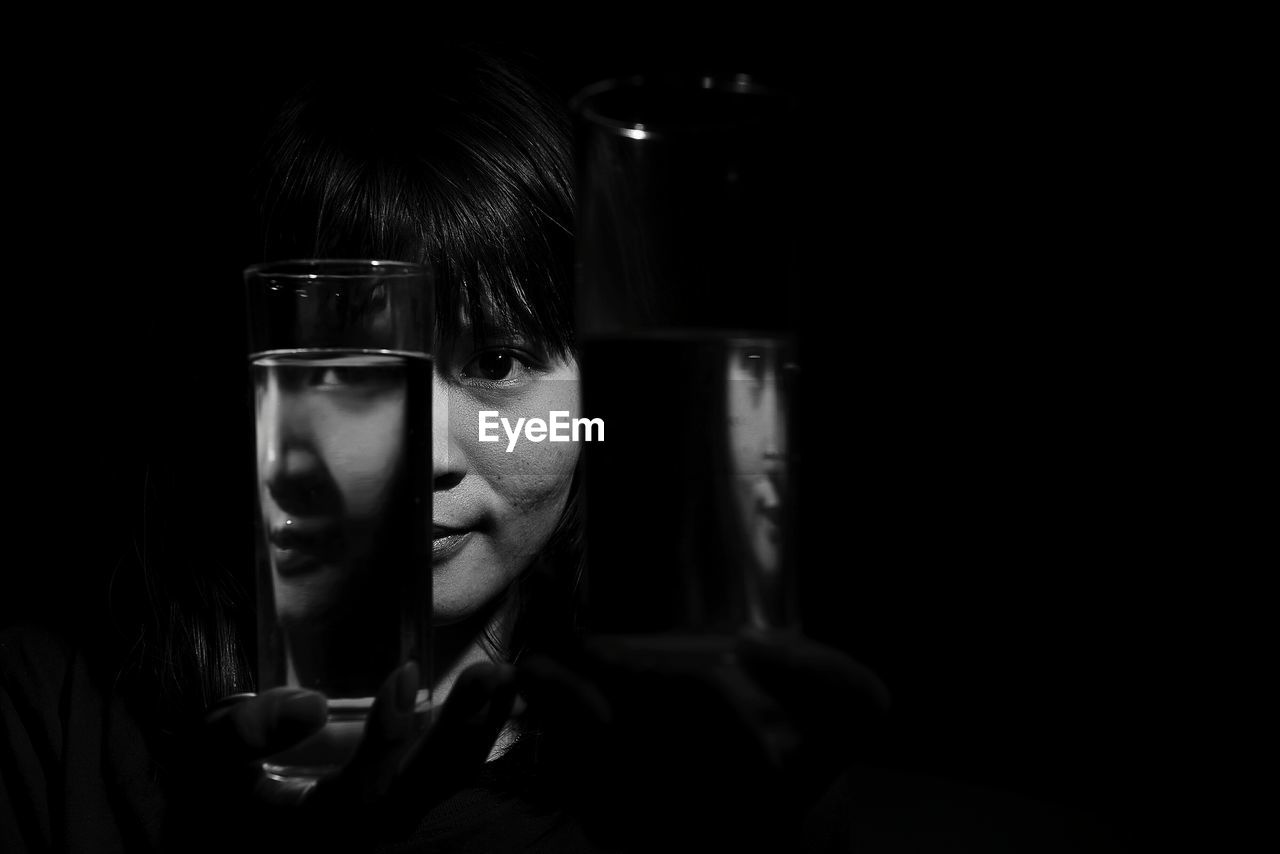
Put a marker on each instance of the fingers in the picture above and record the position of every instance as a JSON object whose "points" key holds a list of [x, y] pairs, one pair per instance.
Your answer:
{"points": [[808, 677], [758, 716], [221, 770], [247, 727], [481, 696], [397, 771], [457, 743], [561, 695], [389, 730], [392, 718], [334, 810], [478, 705]]}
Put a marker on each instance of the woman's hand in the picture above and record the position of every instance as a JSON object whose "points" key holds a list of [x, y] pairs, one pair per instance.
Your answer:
{"points": [[395, 776], [656, 753]]}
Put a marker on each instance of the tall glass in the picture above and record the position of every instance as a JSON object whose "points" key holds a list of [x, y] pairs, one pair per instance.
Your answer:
{"points": [[341, 363], [689, 356]]}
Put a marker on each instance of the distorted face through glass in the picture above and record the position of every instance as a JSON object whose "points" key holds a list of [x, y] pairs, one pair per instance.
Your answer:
{"points": [[331, 433], [756, 404]]}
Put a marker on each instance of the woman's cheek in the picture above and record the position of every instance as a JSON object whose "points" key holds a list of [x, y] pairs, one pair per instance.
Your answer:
{"points": [[540, 473], [530, 474], [364, 459]]}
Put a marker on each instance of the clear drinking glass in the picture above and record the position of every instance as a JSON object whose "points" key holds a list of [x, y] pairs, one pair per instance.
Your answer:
{"points": [[341, 363], [685, 307]]}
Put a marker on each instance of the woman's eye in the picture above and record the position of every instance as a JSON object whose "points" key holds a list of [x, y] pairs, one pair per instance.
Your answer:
{"points": [[330, 377], [494, 366], [353, 377]]}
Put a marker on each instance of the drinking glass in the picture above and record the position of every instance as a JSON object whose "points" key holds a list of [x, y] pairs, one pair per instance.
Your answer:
{"points": [[341, 364], [685, 308]]}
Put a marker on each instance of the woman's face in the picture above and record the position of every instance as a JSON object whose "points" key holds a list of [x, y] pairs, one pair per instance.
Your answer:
{"points": [[331, 446], [757, 444], [494, 509], [330, 449]]}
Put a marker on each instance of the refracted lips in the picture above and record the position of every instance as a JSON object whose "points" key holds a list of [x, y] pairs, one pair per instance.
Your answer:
{"points": [[303, 544]]}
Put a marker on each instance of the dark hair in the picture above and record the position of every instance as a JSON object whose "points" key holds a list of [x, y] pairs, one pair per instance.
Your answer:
{"points": [[462, 159], [459, 160]]}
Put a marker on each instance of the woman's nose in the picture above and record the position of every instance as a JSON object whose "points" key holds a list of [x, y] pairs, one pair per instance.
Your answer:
{"points": [[774, 416], [448, 462], [290, 467]]}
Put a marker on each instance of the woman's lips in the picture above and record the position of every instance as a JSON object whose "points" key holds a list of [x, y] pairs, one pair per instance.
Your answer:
{"points": [[290, 563], [301, 546], [447, 542]]}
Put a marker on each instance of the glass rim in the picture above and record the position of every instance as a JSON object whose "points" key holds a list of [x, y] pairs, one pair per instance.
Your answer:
{"points": [[581, 104], [314, 268]]}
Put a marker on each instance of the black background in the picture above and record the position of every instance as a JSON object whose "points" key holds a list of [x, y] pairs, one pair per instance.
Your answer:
{"points": [[997, 484]]}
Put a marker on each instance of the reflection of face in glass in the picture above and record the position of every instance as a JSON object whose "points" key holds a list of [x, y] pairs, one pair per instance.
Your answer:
{"points": [[330, 440], [757, 445]]}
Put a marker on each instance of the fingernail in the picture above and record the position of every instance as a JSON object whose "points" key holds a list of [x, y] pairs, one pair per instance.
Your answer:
{"points": [[407, 687], [230, 700]]}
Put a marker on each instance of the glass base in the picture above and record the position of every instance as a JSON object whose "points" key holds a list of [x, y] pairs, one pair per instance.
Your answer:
{"points": [[330, 748]]}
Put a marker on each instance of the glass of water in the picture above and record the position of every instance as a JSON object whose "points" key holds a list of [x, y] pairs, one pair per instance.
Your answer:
{"points": [[686, 300], [340, 362]]}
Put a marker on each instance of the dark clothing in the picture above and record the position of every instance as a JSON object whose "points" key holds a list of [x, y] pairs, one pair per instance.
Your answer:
{"points": [[79, 774], [76, 772]]}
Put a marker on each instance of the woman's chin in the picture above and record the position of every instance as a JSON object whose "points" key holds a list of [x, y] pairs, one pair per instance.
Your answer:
{"points": [[312, 597], [453, 602]]}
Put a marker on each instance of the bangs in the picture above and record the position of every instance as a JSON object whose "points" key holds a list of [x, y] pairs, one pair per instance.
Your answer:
{"points": [[533, 305], [478, 186], [503, 265]]}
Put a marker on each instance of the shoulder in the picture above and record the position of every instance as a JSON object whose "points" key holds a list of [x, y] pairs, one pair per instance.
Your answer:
{"points": [[79, 773]]}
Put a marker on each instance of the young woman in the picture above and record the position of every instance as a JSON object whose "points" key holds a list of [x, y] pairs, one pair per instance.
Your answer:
{"points": [[455, 159], [458, 159]]}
